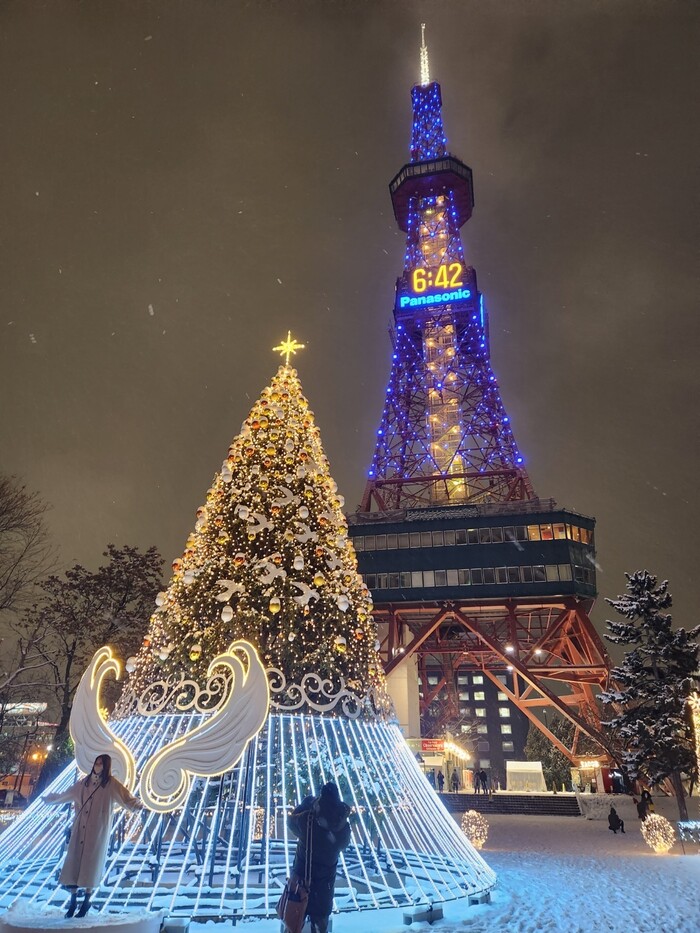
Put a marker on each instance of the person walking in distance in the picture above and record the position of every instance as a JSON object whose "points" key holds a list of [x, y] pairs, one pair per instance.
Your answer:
{"points": [[454, 780], [329, 835], [94, 799], [441, 781], [483, 778]]}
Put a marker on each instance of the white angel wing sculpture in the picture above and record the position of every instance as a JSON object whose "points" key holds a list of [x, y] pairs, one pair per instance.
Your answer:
{"points": [[90, 733], [217, 744]]}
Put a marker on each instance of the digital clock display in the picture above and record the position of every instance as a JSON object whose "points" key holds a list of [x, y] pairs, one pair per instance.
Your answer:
{"points": [[449, 275]]}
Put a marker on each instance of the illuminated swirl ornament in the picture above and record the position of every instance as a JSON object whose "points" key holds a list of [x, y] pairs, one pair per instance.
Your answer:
{"points": [[216, 745], [658, 833], [90, 733]]}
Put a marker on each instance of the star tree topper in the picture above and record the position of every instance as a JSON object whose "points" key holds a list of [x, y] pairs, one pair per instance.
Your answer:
{"points": [[288, 347]]}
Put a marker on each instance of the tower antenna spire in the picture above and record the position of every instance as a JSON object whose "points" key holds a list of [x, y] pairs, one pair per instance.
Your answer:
{"points": [[424, 67]]}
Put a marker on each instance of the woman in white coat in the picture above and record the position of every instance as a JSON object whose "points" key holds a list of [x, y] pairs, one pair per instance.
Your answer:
{"points": [[94, 799]]}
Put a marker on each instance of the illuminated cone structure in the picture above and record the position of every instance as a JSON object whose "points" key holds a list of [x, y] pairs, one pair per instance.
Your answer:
{"points": [[269, 561]]}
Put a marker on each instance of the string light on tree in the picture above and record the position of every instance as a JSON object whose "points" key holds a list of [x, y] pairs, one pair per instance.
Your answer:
{"points": [[694, 701]]}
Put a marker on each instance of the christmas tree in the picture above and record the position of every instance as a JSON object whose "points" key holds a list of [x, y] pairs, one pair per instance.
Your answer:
{"points": [[269, 560], [652, 686], [268, 568]]}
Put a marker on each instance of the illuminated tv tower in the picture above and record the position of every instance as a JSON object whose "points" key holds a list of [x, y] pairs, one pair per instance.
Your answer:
{"points": [[476, 581]]}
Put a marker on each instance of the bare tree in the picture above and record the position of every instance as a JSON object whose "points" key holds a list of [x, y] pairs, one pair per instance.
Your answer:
{"points": [[26, 555], [82, 611]]}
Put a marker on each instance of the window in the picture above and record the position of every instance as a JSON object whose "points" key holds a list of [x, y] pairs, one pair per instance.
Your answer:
{"points": [[403, 541], [508, 747], [428, 578], [559, 531], [452, 578], [509, 533], [482, 729], [415, 539], [440, 578], [504, 712], [371, 581], [546, 532], [480, 695], [483, 746], [449, 538], [405, 579], [472, 535], [575, 533], [484, 763], [514, 574], [460, 536], [465, 727], [484, 536], [381, 542], [477, 576], [433, 679], [464, 577], [391, 542], [394, 581], [539, 575], [502, 677], [578, 574], [497, 535], [426, 539], [502, 697], [438, 539], [552, 572], [527, 574], [359, 543], [417, 578], [381, 581], [480, 712], [489, 575], [533, 532], [564, 571], [501, 575], [506, 728], [462, 679], [369, 542], [464, 695], [478, 679], [520, 533]]}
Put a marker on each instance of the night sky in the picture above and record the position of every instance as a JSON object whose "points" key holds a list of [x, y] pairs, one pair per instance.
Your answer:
{"points": [[181, 183]]}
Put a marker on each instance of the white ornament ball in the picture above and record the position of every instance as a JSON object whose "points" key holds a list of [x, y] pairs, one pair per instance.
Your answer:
{"points": [[226, 614], [227, 477], [243, 512], [160, 599], [343, 603], [188, 577], [303, 512], [298, 562], [475, 827], [130, 665]]}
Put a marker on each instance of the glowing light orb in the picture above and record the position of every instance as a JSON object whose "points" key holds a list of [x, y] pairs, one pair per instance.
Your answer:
{"points": [[658, 833], [475, 827]]}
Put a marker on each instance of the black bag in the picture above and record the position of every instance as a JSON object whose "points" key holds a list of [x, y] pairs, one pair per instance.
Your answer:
{"points": [[291, 907]]}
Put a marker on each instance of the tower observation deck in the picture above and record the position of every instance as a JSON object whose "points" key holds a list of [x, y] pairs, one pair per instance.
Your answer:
{"points": [[469, 570]]}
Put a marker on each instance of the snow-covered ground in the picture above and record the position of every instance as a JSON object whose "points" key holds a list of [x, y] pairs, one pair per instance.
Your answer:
{"points": [[558, 875], [555, 875]]}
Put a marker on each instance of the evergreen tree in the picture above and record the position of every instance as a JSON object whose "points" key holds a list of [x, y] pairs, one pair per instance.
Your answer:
{"points": [[269, 560], [652, 685]]}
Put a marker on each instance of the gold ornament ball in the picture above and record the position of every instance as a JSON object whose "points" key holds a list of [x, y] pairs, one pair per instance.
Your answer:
{"points": [[340, 644], [319, 579], [195, 652], [275, 605]]}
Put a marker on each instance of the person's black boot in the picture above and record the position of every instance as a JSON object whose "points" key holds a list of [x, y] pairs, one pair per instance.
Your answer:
{"points": [[73, 904], [85, 906]]}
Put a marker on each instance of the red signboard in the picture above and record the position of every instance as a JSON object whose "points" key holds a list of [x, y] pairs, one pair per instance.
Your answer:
{"points": [[432, 745]]}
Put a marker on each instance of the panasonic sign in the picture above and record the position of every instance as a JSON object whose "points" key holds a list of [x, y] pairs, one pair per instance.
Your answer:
{"points": [[460, 294]]}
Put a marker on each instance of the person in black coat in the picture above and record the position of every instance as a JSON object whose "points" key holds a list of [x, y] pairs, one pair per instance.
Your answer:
{"points": [[330, 834], [614, 821]]}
